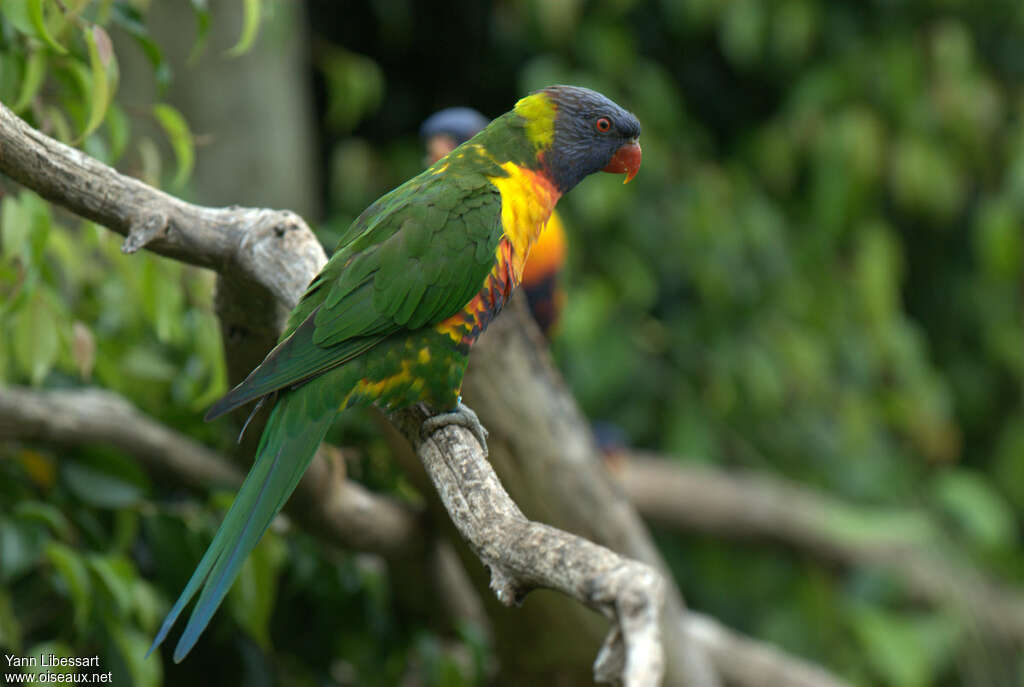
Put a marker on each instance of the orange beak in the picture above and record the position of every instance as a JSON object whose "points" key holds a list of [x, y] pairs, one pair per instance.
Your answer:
{"points": [[626, 160]]}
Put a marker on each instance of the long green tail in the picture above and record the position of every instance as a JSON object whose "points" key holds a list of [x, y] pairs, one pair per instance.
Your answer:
{"points": [[296, 426]]}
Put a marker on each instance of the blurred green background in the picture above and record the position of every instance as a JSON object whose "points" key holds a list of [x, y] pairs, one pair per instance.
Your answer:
{"points": [[818, 273]]}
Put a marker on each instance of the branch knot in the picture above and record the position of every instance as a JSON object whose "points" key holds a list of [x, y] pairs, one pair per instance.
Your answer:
{"points": [[142, 232]]}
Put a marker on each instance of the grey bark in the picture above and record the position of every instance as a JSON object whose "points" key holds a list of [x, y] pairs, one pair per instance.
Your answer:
{"points": [[523, 555]]}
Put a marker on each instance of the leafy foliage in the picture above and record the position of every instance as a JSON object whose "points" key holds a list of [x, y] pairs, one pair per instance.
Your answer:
{"points": [[822, 254]]}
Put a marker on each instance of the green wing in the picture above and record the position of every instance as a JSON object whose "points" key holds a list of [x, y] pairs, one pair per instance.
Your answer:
{"points": [[418, 264], [413, 258]]}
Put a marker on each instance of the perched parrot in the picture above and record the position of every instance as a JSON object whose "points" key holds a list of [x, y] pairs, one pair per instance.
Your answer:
{"points": [[542, 275], [391, 318]]}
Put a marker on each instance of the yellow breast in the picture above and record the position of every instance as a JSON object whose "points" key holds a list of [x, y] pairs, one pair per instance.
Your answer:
{"points": [[527, 199]]}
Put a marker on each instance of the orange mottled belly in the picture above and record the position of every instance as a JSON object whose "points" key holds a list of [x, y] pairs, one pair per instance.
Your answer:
{"points": [[527, 199], [465, 326]]}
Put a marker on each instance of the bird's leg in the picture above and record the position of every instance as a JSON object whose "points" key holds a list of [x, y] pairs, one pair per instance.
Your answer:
{"points": [[461, 415]]}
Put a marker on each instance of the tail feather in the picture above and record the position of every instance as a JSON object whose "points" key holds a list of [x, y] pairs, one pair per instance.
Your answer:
{"points": [[293, 361], [296, 426]]}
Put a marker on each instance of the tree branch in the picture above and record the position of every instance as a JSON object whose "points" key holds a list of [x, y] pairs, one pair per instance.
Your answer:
{"points": [[750, 505], [338, 510], [241, 241], [543, 450], [749, 663], [523, 555], [342, 514], [264, 258]]}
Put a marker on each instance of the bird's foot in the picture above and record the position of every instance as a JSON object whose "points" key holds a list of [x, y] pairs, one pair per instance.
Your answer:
{"points": [[463, 416]]}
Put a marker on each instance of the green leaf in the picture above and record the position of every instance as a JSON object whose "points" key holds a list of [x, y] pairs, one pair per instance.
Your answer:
{"points": [[126, 529], [100, 488], [59, 127], [14, 226], [36, 338], [20, 548], [980, 510], [69, 565], [16, 12], [997, 239], [162, 305], [42, 223], [176, 128], [119, 131], [133, 645], [46, 513], [130, 19], [54, 648], [73, 8], [1008, 462], [202, 12], [35, 15], [355, 86], [104, 75], [32, 79], [149, 160], [250, 26], [24, 227], [905, 650], [209, 348], [742, 31], [12, 68], [116, 576], [149, 605], [10, 628]]}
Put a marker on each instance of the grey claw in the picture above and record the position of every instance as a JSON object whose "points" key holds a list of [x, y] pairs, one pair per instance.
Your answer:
{"points": [[463, 416]]}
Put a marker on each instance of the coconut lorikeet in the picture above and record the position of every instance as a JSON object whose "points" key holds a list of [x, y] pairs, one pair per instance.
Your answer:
{"points": [[542, 276], [392, 316]]}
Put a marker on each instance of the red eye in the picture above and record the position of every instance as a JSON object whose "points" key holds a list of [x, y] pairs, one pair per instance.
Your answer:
{"points": [[604, 125]]}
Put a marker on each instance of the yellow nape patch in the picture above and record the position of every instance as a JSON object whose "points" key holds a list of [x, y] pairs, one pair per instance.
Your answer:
{"points": [[539, 113], [527, 199]]}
